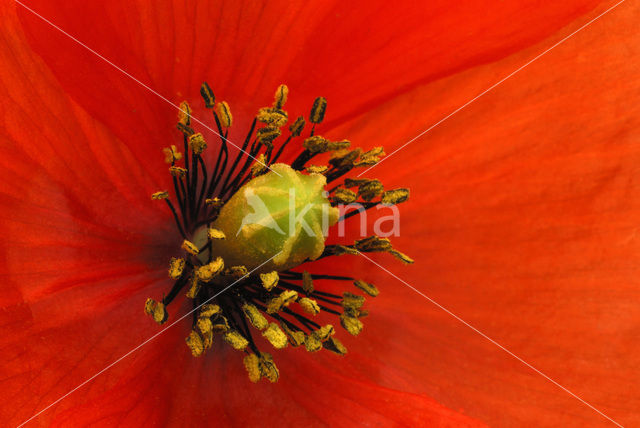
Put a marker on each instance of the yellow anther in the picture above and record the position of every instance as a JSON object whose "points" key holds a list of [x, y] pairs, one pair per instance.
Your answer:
{"points": [[334, 345], [177, 171], [355, 182], [281, 96], [214, 202], [160, 195], [324, 332], [237, 271], [395, 196], [197, 143], [307, 282], [207, 339], [269, 133], [171, 154], [236, 340], [316, 144], [318, 110], [209, 310], [254, 316], [370, 289], [190, 248], [186, 130], [277, 303], [221, 324], [297, 126], [206, 331], [350, 300], [275, 336], [343, 195], [268, 368], [351, 324], [259, 166], [371, 157], [269, 280], [271, 116], [312, 343], [309, 305], [401, 256], [252, 365], [204, 325], [184, 114], [156, 310], [194, 342], [215, 234], [296, 338], [376, 151], [370, 189], [338, 145], [207, 95], [176, 266], [373, 243], [207, 272], [339, 250], [343, 159], [195, 287], [224, 114], [317, 169]]}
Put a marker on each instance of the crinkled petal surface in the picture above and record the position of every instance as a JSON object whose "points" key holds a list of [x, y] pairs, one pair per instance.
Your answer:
{"points": [[521, 219]]}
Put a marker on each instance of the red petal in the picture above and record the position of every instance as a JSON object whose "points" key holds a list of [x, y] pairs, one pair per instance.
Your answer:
{"points": [[522, 221], [357, 57], [133, 116]]}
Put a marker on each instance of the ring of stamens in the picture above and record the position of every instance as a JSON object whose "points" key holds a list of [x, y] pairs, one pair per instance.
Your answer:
{"points": [[281, 306]]}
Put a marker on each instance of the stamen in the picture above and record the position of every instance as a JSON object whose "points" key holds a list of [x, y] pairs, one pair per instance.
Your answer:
{"points": [[184, 114], [177, 171], [160, 195], [334, 345], [277, 303], [351, 324], [307, 282], [176, 266], [281, 96], [396, 196], [194, 342], [157, 311], [317, 169], [275, 336], [344, 196], [236, 340], [318, 110], [297, 127], [255, 316], [190, 248], [215, 234], [171, 154], [224, 114], [309, 305], [269, 280], [197, 143], [207, 95], [370, 289]]}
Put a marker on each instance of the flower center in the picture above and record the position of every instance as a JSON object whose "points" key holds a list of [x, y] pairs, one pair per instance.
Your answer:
{"points": [[248, 222]]}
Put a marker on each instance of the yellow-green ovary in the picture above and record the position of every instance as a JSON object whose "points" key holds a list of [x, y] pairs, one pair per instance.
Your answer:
{"points": [[282, 213]]}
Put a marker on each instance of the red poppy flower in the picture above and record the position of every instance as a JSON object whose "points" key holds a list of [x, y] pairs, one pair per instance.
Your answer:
{"points": [[521, 221]]}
